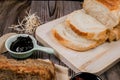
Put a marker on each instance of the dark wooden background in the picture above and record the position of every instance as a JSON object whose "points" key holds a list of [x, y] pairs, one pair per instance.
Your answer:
{"points": [[12, 10]]}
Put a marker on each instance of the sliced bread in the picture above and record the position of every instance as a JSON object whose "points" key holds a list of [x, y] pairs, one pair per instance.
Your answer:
{"points": [[86, 26], [105, 11], [71, 40]]}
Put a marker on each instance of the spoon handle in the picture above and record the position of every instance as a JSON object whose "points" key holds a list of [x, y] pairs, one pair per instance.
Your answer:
{"points": [[44, 49]]}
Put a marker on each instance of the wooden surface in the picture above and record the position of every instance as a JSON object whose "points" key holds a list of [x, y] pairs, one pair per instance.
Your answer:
{"points": [[11, 11], [97, 60]]}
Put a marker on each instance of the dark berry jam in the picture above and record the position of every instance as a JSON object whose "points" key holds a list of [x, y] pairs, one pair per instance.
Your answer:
{"points": [[22, 44]]}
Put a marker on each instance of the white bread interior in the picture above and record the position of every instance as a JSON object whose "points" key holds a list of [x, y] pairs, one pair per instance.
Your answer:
{"points": [[71, 40], [105, 11], [86, 26]]}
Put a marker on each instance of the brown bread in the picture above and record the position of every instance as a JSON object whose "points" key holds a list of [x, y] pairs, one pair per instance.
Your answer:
{"points": [[29, 69]]}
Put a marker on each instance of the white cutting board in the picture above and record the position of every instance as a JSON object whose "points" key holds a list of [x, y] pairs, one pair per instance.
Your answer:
{"points": [[95, 60]]}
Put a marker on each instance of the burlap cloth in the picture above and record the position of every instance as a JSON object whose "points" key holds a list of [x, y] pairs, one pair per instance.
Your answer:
{"points": [[61, 72]]}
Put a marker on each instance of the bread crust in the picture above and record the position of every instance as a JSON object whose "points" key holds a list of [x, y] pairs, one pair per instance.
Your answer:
{"points": [[91, 36], [105, 11], [69, 44], [29, 66], [111, 4]]}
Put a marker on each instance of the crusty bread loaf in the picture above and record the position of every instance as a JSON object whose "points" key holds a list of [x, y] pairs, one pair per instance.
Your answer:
{"points": [[85, 29], [86, 26], [105, 11], [29, 69], [71, 40]]}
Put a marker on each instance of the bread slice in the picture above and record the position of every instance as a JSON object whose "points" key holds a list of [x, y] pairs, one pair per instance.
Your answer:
{"points": [[86, 26], [71, 40], [105, 11], [29, 69]]}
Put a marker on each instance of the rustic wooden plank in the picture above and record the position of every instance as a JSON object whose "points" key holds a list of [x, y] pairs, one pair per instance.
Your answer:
{"points": [[70, 6], [104, 77], [113, 73], [11, 11], [40, 9]]}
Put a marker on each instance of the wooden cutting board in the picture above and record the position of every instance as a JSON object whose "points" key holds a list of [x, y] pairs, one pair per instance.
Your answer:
{"points": [[95, 61]]}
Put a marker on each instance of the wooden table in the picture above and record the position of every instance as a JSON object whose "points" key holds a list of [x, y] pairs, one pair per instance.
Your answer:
{"points": [[11, 11]]}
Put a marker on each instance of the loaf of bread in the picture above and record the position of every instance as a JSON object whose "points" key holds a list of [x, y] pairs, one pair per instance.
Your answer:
{"points": [[29, 69], [82, 30], [105, 11], [67, 37], [86, 26]]}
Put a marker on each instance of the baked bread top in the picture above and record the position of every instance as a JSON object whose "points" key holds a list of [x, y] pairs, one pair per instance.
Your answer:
{"points": [[111, 4], [44, 70], [105, 11]]}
